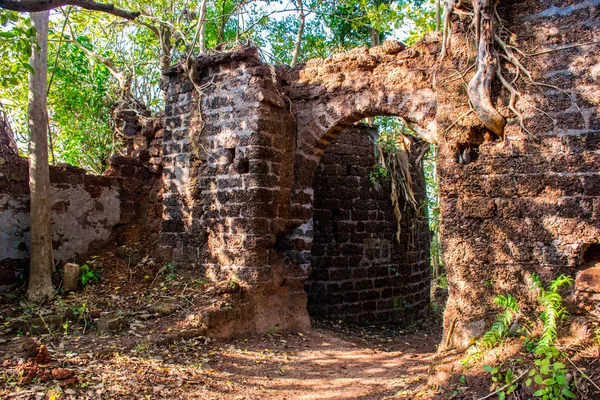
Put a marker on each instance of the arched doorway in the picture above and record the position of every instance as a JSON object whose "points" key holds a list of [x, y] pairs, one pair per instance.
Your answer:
{"points": [[367, 264]]}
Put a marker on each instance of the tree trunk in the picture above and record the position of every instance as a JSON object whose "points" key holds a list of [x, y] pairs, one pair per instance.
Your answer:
{"points": [[202, 27], [298, 45], [42, 262], [222, 22], [374, 33]]}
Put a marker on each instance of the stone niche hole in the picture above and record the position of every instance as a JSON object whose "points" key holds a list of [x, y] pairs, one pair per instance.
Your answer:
{"points": [[360, 273], [467, 151], [588, 278], [591, 253]]}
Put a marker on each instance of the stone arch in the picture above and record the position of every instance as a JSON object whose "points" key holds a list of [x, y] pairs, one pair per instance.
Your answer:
{"points": [[332, 94]]}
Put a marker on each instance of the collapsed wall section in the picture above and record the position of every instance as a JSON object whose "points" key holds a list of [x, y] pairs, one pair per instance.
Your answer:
{"points": [[360, 272], [88, 211]]}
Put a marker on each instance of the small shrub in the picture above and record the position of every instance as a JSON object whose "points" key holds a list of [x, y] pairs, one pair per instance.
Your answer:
{"points": [[169, 272], [380, 172], [551, 376], [87, 275], [500, 379]]}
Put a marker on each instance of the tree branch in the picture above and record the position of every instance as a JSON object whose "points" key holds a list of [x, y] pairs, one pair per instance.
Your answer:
{"points": [[106, 61], [44, 5], [298, 44]]}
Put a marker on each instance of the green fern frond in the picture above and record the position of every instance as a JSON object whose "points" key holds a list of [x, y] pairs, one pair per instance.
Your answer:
{"points": [[501, 327], [559, 282], [554, 311]]}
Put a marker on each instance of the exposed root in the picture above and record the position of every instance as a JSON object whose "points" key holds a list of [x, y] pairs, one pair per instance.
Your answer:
{"points": [[480, 86], [492, 52], [447, 25]]}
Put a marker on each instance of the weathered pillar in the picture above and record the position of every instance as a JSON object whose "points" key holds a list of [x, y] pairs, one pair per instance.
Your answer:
{"points": [[228, 153]]}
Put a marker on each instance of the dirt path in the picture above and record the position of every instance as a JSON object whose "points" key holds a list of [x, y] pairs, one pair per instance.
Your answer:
{"points": [[321, 365], [313, 365]]}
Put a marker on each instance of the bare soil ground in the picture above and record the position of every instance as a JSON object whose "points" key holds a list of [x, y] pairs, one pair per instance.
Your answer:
{"points": [[312, 365], [156, 348]]}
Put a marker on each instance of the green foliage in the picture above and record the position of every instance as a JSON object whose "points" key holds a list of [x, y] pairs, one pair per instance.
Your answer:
{"points": [[379, 173], [81, 98], [550, 375], [501, 327], [169, 272], [502, 379], [87, 275], [82, 313], [16, 40], [554, 311]]}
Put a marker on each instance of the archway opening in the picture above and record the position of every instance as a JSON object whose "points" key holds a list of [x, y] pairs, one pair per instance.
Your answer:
{"points": [[375, 248]]}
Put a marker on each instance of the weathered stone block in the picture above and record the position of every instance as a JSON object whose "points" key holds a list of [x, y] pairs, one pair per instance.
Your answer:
{"points": [[71, 277], [588, 280]]}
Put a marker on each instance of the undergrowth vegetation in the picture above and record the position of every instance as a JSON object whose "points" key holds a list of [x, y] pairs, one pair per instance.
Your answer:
{"points": [[548, 377]]}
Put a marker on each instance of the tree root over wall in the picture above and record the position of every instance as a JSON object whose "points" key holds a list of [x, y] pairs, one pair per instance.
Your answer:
{"points": [[496, 58]]}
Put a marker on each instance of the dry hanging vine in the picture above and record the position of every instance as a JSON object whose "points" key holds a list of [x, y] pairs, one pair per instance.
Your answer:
{"points": [[394, 156]]}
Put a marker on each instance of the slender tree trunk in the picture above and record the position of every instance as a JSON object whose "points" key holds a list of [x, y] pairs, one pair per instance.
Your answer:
{"points": [[438, 15], [202, 27], [223, 22], [42, 262], [374, 37], [298, 45], [164, 35]]}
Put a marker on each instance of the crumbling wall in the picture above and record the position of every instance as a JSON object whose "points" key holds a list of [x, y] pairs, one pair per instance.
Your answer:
{"points": [[88, 211], [515, 205], [227, 152], [359, 271], [242, 142], [528, 203], [85, 208]]}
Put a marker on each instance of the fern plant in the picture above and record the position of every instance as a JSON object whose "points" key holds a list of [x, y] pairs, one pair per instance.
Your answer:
{"points": [[551, 301], [501, 327]]}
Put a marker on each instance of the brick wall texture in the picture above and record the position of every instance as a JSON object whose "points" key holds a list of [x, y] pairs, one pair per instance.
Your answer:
{"points": [[359, 270]]}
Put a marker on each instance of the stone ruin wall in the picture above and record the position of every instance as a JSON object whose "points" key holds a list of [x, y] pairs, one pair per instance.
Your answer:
{"points": [[360, 272], [522, 205], [528, 203], [228, 150], [88, 211], [242, 143], [238, 205]]}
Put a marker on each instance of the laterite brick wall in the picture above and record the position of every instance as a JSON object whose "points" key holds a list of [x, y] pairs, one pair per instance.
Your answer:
{"points": [[359, 271]]}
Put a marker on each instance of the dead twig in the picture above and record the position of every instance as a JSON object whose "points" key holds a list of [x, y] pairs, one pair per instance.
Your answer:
{"points": [[505, 386], [450, 332], [580, 371]]}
